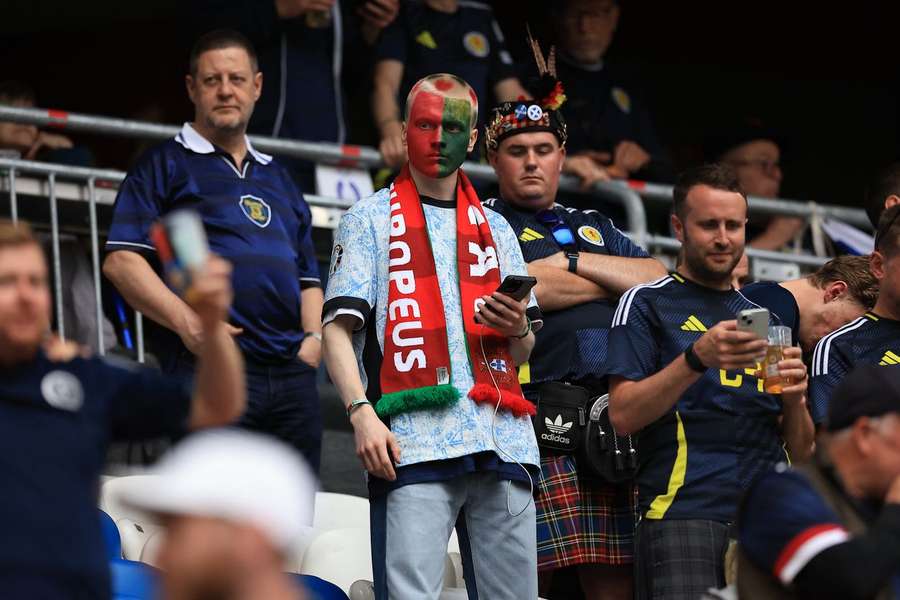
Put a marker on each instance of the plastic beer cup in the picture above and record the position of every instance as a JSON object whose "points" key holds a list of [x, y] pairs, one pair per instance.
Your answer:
{"points": [[779, 339]]}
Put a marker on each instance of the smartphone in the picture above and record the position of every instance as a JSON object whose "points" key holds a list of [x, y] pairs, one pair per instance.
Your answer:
{"points": [[517, 286], [181, 245], [754, 320]]}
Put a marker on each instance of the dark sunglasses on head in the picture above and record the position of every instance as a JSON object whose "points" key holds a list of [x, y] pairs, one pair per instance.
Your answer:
{"points": [[561, 232]]}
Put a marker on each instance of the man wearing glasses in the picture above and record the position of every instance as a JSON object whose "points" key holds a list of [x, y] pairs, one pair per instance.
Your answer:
{"points": [[755, 155], [873, 338], [582, 264]]}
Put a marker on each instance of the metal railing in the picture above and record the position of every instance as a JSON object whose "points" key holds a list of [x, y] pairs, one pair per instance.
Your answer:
{"points": [[13, 167], [662, 193], [319, 152], [627, 193]]}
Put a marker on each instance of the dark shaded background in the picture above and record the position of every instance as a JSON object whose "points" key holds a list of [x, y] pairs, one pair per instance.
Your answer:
{"points": [[826, 77]]}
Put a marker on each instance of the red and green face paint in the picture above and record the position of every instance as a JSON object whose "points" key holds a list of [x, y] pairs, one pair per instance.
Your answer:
{"points": [[437, 133]]}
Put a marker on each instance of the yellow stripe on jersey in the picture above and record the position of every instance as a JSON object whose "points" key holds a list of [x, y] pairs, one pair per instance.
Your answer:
{"points": [[677, 277], [661, 504], [524, 373], [697, 323], [889, 358], [693, 324], [530, 235]]}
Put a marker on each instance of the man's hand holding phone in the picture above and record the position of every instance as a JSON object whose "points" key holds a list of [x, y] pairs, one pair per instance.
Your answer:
{"points": [[725, 347], [504, 310]]}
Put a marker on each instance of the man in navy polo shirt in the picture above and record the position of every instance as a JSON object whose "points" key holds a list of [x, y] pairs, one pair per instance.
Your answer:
{"points": [[256, 218], [59, 411]]}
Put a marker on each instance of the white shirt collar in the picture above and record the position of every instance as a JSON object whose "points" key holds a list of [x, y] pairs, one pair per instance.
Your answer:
{"points": [[193, 141]]}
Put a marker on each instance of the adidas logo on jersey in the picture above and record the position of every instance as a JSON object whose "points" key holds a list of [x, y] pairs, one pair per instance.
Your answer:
{"points": [[529, 235], [693, 324], [889, 358]]}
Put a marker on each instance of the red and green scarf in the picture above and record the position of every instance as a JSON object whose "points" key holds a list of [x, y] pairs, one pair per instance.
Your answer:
{"points": [[415, 372]]}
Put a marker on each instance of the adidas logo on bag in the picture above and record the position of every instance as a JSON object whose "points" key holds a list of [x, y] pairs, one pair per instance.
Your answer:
{"points": [[556, 427]]}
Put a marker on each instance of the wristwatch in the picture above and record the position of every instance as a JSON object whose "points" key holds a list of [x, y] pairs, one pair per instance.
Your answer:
{"points": [[315, 335], [693, 360], [573, 261]]}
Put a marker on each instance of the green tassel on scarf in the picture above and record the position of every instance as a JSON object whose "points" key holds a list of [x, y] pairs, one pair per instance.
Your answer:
{"points": [[423, 398]]}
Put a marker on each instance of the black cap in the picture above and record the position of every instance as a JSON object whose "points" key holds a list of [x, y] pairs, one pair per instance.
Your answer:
{"points": [[868, 391]]}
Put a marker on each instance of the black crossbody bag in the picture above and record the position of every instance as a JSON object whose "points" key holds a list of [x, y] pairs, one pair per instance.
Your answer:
{"points": [[572, 420]]}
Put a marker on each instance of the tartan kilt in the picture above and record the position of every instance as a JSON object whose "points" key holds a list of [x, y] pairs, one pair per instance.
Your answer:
{"points": [[581, 520]]}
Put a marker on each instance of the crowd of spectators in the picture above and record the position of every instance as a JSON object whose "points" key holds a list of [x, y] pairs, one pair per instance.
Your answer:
{"points": [[472, 408]]}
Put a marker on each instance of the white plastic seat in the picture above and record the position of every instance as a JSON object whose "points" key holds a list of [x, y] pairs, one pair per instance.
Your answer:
{"points": [[341, 556], [151, 549], [111, 498], [340, 511]]}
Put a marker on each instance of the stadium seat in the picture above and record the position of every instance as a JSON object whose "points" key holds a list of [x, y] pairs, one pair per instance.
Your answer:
{"points": [[340, 556], [339, 511], [135, 527], [134, 537], [111, 494], [133, 580], [111, 538], [318, 589], [333, 511], [150, 551]]}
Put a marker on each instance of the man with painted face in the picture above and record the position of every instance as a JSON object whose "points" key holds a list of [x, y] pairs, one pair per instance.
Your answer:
{"points": [[423, 351]]}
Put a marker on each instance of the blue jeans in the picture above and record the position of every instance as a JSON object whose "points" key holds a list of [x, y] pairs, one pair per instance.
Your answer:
{"points": [[282, 400], [411, 526]]}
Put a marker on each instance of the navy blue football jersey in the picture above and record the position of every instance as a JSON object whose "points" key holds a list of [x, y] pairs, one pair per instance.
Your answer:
{"points": [[254, 216], [56, 422], [723, 432], [869, 340], [572, 344], [780, 302], [785, 523], [468, 43]]}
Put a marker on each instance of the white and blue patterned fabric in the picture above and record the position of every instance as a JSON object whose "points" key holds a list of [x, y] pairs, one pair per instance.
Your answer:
{"points": [[359, 281]]}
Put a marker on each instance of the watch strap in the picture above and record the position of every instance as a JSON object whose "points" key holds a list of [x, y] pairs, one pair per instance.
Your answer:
{"points": [[573, 261], [693, 360]]}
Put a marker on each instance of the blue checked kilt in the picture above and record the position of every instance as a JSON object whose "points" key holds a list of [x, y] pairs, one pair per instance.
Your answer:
{"points": [[582, 520]]}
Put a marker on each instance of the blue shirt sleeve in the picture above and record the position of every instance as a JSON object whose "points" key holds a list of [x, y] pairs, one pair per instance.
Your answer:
{"points": [[139, 203], [784, 523], [829, 366], [352, 279], [617, 242], [144, 403], [633, 350]]}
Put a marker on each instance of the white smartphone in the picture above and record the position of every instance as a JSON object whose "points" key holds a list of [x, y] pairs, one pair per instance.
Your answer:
{"points": [[754, 320]]}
